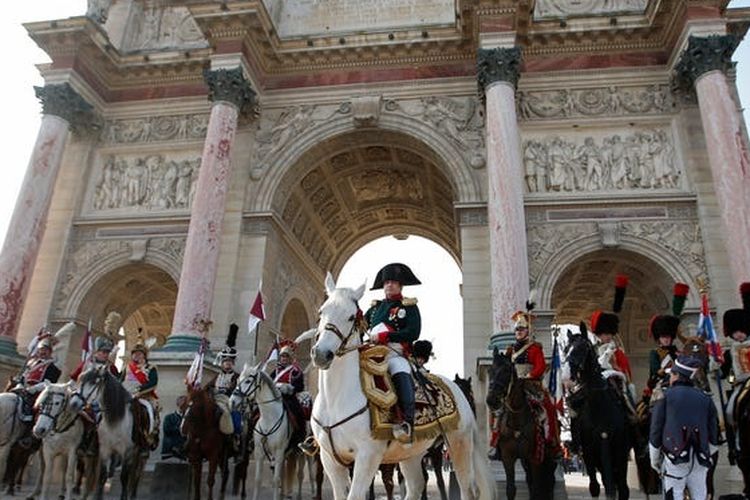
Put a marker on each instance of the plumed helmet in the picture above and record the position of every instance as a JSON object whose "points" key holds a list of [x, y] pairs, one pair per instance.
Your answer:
{"points": [[287, 347], [422, 349], [686, 366], [663, 325], [395, 272], [521, 319], [229, 351], [103, 344], [47, 342]]}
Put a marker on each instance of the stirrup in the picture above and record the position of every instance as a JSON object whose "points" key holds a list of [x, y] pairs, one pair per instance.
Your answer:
{"points": [[403, 432], [309, 446]]}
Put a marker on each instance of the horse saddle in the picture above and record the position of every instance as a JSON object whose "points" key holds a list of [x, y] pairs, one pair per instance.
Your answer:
{"points": [[435, 410]]}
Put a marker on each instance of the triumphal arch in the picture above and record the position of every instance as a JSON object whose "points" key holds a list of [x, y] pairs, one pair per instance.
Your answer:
{"points": [[190, 149]]}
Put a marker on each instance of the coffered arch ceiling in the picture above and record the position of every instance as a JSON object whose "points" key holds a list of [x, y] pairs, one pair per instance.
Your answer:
{"points": [[588, 284], [361, 186]]}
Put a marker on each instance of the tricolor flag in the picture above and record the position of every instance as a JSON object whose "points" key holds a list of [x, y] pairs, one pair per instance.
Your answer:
{"points": [[257, 313], [87, 343], [555, 375], [706, 331]]}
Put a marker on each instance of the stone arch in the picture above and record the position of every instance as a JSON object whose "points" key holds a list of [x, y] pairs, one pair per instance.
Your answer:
{"points": [[557, 264], [449, 158], [294, 318]]}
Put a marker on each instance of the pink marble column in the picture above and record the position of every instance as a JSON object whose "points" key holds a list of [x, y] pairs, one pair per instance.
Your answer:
{"points": [[704, 63], [229, 91], [498, 74], [62, 106]]}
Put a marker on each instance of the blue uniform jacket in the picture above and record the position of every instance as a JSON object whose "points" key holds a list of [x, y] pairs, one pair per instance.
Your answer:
{"points": [[683, 422]]}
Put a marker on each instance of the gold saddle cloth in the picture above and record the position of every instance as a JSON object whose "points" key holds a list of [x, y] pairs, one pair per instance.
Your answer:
{"points": [[436, 411]]}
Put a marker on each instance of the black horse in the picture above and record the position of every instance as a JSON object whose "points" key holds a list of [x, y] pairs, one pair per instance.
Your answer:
{"points": [[600, 423], [518, 431]]}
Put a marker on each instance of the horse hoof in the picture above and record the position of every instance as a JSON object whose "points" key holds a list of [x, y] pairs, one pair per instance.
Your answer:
{"points": [[594, 489]]}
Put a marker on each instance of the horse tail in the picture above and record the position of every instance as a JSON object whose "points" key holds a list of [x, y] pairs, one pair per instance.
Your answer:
{"points": [[483, 478]]}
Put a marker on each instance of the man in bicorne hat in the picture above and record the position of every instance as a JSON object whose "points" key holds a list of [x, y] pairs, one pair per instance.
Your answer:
{"points": [[223, 383], [684, 433], [395, 321], [736, 326], [528, 360]]}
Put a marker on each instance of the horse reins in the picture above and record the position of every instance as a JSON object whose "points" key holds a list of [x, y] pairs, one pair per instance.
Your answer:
{"points": [[329, 428], [46, 409]]}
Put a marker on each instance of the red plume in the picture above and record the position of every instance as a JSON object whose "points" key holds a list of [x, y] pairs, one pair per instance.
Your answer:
{"points": [[594, 320], [621, 284], [678, 300]]}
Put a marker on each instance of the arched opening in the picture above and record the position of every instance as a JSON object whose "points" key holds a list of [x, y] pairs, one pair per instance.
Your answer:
{"points": [[439, 296], [143, 294], [588, 284], [294, 321]]}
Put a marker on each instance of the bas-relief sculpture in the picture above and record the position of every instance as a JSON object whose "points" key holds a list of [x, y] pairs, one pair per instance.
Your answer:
{"points": [[370, 185], [643, 160], [601, 101], [565, 8], [156, 128], [146, 183], [160, 28]]}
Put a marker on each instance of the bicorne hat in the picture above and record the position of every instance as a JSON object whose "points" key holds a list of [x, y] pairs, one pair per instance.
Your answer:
{"points": [[395, 272], [422, 349]]}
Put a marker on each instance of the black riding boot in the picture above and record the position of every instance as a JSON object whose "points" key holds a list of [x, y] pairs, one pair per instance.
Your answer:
{"points": [[405, 391]]}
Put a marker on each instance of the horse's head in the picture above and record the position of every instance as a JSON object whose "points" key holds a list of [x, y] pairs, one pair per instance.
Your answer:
{"points": [[247, 386], [501, 378], [90, 383], [579, 357], [340, 324], [50, 404], [696, 346], [465, 385]]}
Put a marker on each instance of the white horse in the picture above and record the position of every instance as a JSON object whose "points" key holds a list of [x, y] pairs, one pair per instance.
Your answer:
{"points": [[273, 431], [60, 429], [341, 422], [115, 429]]}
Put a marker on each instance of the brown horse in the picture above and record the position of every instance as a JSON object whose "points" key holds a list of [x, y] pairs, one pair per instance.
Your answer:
{"points": [[200, 426], [518, 431]]}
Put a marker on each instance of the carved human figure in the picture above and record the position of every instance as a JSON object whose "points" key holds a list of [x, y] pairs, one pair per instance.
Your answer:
{"points": [[135, 174], [182, 184], [535, 164], [442, 117], [292, 122], [618, 163], [664, 161], [632, 160], [591, 159], [557, 164], [170, 185], [105, 191], [613, 101]]}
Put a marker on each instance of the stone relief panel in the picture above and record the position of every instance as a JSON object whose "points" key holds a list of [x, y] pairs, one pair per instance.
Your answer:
{"points": [[163, 28], [654, 99], [459, 119], [569, 8], [632, 160], [85, 254], [155, 128], [376, 184], [146, 182]]}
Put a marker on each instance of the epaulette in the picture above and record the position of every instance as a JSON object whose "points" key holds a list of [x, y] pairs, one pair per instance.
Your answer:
{"points": [[409, 301], [375, 303]]}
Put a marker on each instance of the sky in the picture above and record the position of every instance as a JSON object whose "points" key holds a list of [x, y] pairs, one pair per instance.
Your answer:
{"points": [[437, 270]]}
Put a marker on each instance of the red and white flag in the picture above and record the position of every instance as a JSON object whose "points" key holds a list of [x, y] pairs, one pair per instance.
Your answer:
{"points": [[257, 313]]}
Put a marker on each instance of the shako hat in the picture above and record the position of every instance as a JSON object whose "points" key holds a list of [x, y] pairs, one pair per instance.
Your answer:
{"points": [[666, 325], [606, 322], [395, 272], [739, 319]]}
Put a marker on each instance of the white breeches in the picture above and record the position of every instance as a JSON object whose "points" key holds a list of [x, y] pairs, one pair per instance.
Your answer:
{"points": [[397, 363], [690, 475], [151, 416]]}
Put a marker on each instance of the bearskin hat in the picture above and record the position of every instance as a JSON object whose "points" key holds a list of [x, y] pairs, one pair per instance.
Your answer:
{"points": [[663, 325], [229, 351], [606, 322], [738, 319], [422, 349], [395, 272]]}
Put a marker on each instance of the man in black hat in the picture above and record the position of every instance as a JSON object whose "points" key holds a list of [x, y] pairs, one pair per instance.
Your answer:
{"points": [[395, 321], [663, 329], [684, 433]]}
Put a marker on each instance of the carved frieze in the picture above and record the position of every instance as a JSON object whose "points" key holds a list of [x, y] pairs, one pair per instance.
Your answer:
{"points": [[640, 160], [163, 28], [376, 184], [590, 102], [554, 9], [458, 119], [156, 128], [149, 182]]}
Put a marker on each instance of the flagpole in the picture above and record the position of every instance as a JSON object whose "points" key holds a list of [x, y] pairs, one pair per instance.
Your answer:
{"points": [[255, 346]]}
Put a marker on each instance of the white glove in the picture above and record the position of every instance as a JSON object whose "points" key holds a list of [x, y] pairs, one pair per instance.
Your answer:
{"points": [[286, 389], [655, 457]]}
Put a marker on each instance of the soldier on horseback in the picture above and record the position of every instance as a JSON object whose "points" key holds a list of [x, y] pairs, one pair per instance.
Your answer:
{"points": [[223, 383], [39, 367], [736, 324], [140, 379], [290, 380], [527, 356], [395, 321]]}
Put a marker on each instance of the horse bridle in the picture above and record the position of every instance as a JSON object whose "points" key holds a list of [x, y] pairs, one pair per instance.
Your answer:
{"points": [[97, 385], [343, 346], [47, 406], [252, 389]]}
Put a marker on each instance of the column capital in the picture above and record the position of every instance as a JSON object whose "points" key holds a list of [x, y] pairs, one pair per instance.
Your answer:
{"points": [[63, 101], [498, 65], [229, 85], [704, 54]]}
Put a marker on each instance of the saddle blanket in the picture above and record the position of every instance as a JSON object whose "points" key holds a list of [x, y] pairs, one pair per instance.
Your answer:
{"points": [[436, 411]]}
